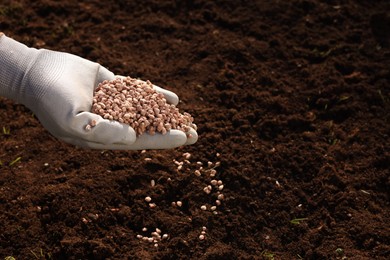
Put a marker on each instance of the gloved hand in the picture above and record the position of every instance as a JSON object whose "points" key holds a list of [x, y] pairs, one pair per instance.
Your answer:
{"points": [[58, 87]]}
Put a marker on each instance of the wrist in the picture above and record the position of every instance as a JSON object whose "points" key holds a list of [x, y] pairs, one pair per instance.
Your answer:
{"points": [[15, 59]]}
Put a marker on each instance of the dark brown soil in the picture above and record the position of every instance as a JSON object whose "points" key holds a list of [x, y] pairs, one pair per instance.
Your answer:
{"points": [[293, 95]]}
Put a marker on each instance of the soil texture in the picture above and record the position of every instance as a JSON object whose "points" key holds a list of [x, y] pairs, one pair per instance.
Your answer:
{"points": [[291, 99]]}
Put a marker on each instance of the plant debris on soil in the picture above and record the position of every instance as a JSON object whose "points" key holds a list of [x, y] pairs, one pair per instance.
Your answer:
{"points": [[291, 100]]}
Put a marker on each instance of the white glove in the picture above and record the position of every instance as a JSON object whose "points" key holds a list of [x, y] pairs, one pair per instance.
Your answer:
{"points": [[58, 87]]}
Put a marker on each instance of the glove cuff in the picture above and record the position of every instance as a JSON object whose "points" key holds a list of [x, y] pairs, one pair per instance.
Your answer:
{"points": [[15, 59]]}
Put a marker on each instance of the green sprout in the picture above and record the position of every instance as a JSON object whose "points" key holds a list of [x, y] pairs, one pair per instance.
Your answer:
{"points": [[15, 161], [35, 255], [41, 254], [322, 54], [297, 221], [268, 255], [9, 258], [343, 98], [333, 141], [383, 98], [6, 131]]}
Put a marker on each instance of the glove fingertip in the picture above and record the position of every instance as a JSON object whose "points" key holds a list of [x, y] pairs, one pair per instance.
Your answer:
{"points": [[177, 138], [104, 74], [192, 137], [170, 96]]}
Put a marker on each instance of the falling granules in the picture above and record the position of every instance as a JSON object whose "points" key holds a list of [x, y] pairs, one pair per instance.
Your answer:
{"points": [[138, 104]]}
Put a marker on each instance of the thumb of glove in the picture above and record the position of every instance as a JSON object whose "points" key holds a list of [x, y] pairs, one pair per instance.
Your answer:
{"points": [[99, 131]]}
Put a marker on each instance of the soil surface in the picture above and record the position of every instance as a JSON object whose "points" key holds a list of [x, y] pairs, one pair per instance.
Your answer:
{"points": [[292, 101]]}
